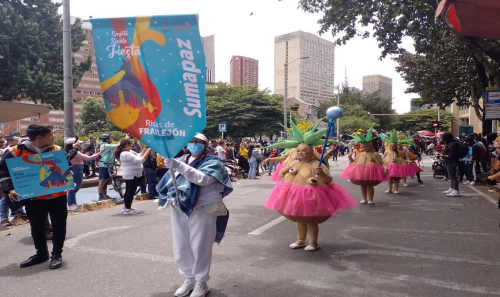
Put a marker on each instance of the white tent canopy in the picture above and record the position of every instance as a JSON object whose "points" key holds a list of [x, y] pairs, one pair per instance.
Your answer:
{"points": [[11, 111]]}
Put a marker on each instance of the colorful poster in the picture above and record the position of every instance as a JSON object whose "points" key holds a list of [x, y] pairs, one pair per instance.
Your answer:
{"points": [[152, 74], [40, 174]]}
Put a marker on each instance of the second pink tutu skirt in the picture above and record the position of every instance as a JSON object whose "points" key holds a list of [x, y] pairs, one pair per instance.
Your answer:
{"points": [[415, 167], [400, 171], [364, 172], [276, 175], [309, 201]]}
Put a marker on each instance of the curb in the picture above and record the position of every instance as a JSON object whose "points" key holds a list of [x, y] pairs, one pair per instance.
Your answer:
{"points": [[89, 183]]}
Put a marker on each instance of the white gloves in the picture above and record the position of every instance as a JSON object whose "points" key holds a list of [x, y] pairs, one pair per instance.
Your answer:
{"points": [[172, 164]]}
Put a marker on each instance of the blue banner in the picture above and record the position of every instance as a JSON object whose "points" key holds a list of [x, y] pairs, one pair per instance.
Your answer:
{"points": [[152, 74], [40, 174]]}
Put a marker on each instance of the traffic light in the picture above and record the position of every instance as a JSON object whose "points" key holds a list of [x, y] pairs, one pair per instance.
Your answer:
{"points": [[437, 124]]}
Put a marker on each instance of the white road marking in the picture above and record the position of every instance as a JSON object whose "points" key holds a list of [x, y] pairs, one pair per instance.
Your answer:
{"points": [[483, 194], [127, 255], [72, 244], [415, 256], [267, 226], [73, 241]]}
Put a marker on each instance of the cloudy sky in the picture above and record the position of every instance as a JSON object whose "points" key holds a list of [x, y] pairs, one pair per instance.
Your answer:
{"points": [[239, 33]]}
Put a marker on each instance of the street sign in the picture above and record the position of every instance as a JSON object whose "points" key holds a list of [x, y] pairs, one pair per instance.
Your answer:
{"points": [[493, 96], [492, 106], [222, 127]]}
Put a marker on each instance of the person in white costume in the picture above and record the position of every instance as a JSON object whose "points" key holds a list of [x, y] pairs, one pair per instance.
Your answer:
{"points": [[199, 217]]}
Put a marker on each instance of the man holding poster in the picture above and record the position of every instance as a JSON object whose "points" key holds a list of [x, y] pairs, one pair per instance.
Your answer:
{"points": [[40, 141]]}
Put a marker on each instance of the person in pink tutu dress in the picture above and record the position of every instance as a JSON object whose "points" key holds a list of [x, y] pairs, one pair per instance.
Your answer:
{"points": [[306, 193], [395, 162], [366, 170]]}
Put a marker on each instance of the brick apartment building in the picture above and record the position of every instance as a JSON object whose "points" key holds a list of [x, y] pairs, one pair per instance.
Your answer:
{"points": [[89, 87], [244, 71]]}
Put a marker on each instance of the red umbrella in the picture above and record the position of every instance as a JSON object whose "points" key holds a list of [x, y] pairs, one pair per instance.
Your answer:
{"points": [[478, 18], [425, 133]]}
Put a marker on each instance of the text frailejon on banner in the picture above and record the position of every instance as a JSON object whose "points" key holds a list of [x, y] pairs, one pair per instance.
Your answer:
{"points": [[152, 73], [40, 174]]}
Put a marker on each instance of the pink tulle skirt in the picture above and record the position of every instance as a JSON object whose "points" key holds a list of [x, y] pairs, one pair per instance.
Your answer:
{"points": [[309, 201], [276, 175], [400, 171], [365, 172], [415, 167]]}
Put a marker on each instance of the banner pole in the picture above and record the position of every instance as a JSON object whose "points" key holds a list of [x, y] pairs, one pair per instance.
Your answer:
{"points": [[174, 181]]}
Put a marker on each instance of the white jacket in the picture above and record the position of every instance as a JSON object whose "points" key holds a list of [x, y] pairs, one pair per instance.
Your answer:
{"points": [[131, 164]]}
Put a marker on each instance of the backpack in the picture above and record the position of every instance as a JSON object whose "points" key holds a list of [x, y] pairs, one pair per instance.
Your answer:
{"points": [[462, 151], [482, 152]]}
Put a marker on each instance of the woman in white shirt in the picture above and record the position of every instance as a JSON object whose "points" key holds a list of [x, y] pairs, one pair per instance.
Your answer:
{"points": [[131, 165]]}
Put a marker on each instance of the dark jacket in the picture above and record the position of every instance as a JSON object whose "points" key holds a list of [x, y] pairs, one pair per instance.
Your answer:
{"points": [[88, 147], [150, 161], [451, 149], [230, 153]]}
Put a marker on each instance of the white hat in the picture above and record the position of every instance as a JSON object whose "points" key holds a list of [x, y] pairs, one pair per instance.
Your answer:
{"points": [[71, 140], [201, 137]]}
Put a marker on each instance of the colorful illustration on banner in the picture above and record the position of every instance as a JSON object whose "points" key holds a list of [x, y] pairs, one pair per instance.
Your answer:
{"points": [[152, 78], [51, 175]]}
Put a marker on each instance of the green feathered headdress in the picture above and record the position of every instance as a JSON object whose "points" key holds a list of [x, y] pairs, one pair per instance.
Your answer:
{"points": [[364, 139], [393, 137], [408, 140], [309, 137]]}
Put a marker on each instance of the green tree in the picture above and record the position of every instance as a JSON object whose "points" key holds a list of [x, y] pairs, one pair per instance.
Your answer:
{"points": [[31, 51], [95, 117], [422, 120], [355, 117], [392, 20], [247, 111], [446, 74], [370, 103]]}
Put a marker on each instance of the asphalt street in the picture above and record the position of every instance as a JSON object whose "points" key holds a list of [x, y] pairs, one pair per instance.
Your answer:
{"points": [[418, 243]]}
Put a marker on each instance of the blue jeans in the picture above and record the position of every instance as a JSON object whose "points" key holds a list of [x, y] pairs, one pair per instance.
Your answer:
{"points": [[271, 166], [468, 168], [151, 179], [77, 179], [6, 204], [4, 208], [253, 168]]}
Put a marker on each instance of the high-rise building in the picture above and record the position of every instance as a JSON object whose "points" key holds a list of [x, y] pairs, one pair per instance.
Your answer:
{"points": [[310, 80], [209, 49], [89, 86], [244, 71], [377, 82]]}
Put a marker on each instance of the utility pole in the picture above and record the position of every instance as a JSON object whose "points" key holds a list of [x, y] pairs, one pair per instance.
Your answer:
{"points": [[338, 120], [67, 72], [286, 96], [439, 120]]}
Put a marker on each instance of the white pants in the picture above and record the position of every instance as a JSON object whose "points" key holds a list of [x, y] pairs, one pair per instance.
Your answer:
{"points": [[193, 241]]}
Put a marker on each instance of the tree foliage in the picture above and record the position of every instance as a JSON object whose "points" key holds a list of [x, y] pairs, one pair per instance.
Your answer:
{"points": [[392, 20], [247, 111], [422, 120], [362, 104], [31, 51], [355, 117], [95, 117]]}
